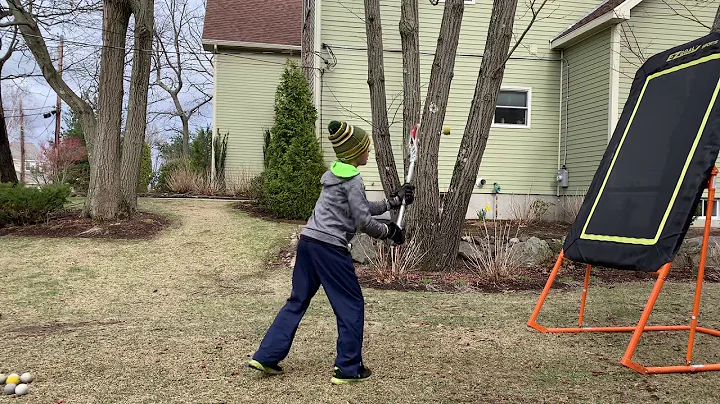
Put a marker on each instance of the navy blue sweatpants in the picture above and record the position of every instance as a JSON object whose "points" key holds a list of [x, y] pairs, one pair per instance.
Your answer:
{"points": [[320, 264]]}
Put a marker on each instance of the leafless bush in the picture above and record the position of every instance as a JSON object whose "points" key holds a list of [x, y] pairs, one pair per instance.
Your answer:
{"points": [[182, 180], [238, 182], [496, 256], [571, 205], [529, 209], [394, 263]]}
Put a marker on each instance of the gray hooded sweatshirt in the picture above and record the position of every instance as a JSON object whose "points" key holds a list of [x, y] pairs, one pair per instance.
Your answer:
{"points": [[343, 209]]}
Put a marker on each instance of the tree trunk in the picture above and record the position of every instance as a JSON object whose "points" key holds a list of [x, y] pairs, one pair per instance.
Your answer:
{"points": [[7, 166], [426, 208], [472, 147], [143, 12], [103, 202], [378, 99], [409, 37], [716, 23]]}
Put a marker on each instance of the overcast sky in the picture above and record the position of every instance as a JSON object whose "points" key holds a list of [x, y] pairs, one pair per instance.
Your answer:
{"points": [[82, 54]]}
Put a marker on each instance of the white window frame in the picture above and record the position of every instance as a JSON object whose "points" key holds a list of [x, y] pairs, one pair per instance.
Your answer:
{"points": [[703, 205], [527, 90]]}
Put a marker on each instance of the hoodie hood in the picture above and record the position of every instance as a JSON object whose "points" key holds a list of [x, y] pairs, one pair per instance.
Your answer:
{"points": [[339, 172]]}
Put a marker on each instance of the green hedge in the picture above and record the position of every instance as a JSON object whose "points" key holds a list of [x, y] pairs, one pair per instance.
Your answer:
{"points": [[21, 205]]}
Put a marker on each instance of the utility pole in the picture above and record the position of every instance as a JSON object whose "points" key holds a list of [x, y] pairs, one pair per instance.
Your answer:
{"points": [[58, 108], [22, 141]]}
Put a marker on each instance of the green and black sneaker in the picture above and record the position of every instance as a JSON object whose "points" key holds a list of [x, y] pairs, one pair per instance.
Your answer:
{"points": [[363, 374], [269, 369]]}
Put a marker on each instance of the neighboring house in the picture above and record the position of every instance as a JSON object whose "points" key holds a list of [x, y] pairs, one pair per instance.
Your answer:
{"points": [[563, 90], [251, 39], [33, 166]]}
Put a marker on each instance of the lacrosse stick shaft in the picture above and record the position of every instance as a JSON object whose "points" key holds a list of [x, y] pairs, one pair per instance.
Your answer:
{"points": [[411, 168]]}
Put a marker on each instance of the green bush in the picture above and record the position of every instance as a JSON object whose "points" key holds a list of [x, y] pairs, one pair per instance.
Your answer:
{"points": [[255, 191], [294, 158], [21, 205]]}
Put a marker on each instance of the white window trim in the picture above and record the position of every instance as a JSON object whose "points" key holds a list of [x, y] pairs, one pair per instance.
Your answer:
{"points": [[527, 90], [717, 211]]}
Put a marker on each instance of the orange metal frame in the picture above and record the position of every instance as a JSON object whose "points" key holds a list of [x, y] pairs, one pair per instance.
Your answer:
{"points": [[642, 326]]}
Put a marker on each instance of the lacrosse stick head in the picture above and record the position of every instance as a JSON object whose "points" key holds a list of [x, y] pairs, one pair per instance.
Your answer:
{"points": [[412, 145]]}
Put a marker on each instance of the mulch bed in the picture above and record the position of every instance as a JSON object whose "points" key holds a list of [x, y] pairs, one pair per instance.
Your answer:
{"points": [[463, 279], [70, 223], [570, 276]]}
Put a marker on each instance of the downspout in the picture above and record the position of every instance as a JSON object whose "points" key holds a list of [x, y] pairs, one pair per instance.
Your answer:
{"points": [[317, 70], [567, 103], [563, 143], [212, 137], [557, 187]]}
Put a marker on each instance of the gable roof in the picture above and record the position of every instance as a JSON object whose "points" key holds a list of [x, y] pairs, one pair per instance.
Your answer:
{"points": [[261, 24], [601, 17]]}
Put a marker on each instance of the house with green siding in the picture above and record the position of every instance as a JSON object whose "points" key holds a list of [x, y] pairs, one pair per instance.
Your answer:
{"points": [[562, 94]]}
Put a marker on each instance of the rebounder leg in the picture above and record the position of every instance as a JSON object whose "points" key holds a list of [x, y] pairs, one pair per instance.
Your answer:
{"points": [[642, 326]]}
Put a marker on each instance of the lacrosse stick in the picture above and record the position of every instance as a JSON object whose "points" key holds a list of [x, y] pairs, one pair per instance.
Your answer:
{"points": [[412, 146]]}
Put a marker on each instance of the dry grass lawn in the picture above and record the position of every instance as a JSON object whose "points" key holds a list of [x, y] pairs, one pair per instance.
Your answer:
{"points": [[174, 320]]}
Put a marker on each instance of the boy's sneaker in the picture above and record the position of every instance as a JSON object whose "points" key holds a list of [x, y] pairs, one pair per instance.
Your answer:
{"points": [[269, 369], [363, 374]]}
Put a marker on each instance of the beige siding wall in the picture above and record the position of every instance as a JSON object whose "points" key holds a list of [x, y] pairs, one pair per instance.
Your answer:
{"points": [[520, 160], [655, 26], [245, 91], [587, 112]]}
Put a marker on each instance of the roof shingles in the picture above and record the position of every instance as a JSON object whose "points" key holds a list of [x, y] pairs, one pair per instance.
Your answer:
{"points": [[601, 10], [257, 21]]}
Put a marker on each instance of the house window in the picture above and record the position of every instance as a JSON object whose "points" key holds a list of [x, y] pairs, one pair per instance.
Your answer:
{"points": [[29, 165], [703, 204], [513, 108]]}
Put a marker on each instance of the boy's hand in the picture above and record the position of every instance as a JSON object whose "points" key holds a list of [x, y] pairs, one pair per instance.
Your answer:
{"points": [[396, 234], [407, 192]]}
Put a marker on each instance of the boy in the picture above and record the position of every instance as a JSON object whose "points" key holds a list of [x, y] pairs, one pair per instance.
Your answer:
{"points": [[323, 258]]}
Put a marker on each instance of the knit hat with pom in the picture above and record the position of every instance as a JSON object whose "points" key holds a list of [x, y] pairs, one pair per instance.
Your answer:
{"points": [[349, 142]]}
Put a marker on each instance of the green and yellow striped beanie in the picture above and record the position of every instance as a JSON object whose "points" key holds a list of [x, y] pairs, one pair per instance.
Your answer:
{"points": [[349, 142]]}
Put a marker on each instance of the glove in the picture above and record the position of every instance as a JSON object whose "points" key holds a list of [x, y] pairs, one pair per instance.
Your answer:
{"points": [[407, 192], [396, 234]]}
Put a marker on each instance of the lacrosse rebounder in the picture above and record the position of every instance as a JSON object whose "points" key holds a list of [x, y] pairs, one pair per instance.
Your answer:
{"points": [[642, 199]]}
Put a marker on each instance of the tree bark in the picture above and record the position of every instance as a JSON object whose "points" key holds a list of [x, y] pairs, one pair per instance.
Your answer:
{"points": [[472, 147], [7, 166], [410, 42], [378, 99], [716, 22], [143, 11], [103, 201], [427, 202]]}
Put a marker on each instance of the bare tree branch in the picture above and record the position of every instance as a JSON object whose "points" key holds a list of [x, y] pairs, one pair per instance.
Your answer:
{"points": [[535, 14], [182, 68], [692, 17]]}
